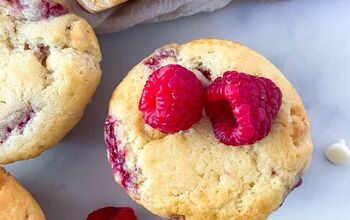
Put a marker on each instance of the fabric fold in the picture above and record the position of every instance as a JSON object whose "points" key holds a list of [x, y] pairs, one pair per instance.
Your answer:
{"points": [[135, 12]]}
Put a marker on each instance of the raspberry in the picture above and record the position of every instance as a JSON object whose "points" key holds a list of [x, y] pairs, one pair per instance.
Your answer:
{"points": [[172, 99], [242, 107], [113, 213]]}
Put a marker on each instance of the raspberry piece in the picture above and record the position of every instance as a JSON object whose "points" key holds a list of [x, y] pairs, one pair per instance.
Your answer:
{"points": [[42, 52], [52, 9], [172, 99], [113, 213], [15, 4], [16, 124], [117, 154], [298, 184], [35, 10], [242, 107], [153, 62], [11, 2]]}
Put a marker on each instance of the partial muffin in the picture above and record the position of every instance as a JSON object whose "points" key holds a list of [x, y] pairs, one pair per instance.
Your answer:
{"points": [[95, 6], [15, 201], [190, 174], [49, 70]]}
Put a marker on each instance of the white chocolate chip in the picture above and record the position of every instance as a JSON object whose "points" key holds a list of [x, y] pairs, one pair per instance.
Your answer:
{"points": [[338, 153]]}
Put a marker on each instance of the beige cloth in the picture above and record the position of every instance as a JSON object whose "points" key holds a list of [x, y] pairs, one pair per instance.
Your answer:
{"points": [[144, 11]]}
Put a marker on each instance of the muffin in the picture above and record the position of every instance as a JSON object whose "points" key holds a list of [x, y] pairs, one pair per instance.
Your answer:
{"points": [[15, 201], [94, 6], [49, 70], [178, 168]]}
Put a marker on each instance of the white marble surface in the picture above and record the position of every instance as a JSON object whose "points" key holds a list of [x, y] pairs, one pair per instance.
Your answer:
{"points": [[308, 40]]}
